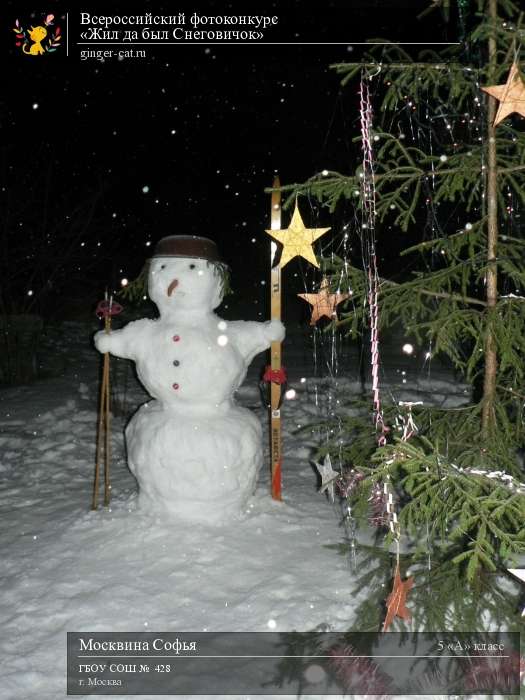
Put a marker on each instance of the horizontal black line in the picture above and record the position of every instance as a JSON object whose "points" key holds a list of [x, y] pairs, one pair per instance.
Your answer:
{"points": [[267, 43]]}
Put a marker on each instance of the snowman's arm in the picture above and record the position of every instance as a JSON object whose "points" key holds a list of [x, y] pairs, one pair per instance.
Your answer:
{"points": [[251, 337], [123, 342]]}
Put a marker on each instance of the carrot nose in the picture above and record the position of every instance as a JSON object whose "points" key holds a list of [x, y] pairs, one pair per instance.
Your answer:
{"points": [[172, 286]]}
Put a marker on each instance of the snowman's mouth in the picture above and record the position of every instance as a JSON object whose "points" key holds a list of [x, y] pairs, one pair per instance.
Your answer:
{"points": [[172, 287]]}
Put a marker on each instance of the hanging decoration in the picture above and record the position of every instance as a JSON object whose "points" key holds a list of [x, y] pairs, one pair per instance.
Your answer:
{"points": [[369, 250], [406, 424], [328, 477], [297, 240], [323, 303], [511, 95], [396, 601]]}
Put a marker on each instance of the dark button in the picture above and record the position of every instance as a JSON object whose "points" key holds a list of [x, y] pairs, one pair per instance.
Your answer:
{"points": [[175, 386], [176, 338], [176, 363]]}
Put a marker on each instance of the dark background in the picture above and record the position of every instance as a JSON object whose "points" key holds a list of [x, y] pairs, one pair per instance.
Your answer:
{"points": [[205, 128]]}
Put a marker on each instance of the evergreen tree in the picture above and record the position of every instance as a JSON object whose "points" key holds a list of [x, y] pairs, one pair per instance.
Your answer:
{"points": [[447, 169]]}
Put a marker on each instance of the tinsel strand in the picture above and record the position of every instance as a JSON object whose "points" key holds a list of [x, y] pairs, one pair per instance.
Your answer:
{"points": [[368, 224]]}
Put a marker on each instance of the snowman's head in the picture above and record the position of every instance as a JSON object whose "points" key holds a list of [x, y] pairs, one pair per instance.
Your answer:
{"points": [[186, 274], [185, 284]]}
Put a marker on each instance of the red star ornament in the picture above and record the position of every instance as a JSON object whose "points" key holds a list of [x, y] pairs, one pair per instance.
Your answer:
{"points": [[396, 601], [511, 96], [323, 303]]}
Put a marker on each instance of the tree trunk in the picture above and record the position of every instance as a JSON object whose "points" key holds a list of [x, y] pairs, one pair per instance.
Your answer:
{"points": [[491, 359]]}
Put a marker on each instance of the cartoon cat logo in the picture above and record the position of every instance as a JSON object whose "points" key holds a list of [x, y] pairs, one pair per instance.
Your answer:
{"points": [[31, 40], [36, 34]]}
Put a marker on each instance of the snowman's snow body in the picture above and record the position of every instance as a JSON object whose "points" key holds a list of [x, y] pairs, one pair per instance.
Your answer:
{"points": [[194, 452]]}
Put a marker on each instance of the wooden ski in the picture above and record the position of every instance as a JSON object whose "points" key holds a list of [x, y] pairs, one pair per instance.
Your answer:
{"points": [[104, 418], [275, 350], [106, 310]]}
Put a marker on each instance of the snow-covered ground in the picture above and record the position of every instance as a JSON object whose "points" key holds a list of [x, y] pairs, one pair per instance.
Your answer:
{"points": [[67, 568]]}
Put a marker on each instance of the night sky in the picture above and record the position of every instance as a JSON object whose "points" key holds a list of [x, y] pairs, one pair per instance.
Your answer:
{"points": [[101, 159]]}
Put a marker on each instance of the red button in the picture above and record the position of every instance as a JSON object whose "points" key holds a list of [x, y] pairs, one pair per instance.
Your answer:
{"points": [[176, 338], [175, 386]]}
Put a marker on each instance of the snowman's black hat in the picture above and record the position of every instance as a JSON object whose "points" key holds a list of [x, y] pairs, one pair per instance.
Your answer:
{"points": [[187, 247]]}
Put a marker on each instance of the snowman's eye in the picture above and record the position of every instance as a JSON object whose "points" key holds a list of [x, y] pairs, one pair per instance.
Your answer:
{"points": [[192, 266], [162, 267]]}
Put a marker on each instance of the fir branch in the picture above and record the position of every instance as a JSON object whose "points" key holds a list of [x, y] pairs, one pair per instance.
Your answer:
{"points": [[344, 67], [473, 508], [512, 391], [444, 295]]}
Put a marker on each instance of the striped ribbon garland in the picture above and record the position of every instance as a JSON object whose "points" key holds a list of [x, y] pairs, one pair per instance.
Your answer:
{"points": [[368, 198]]}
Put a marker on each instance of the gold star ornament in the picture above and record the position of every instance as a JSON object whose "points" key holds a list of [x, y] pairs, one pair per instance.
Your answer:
{"points": [[511, 96], [323, 303], [297, 239]]}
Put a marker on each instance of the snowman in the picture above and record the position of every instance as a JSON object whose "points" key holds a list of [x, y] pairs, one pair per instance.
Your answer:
{"points": [[194, 452]]}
